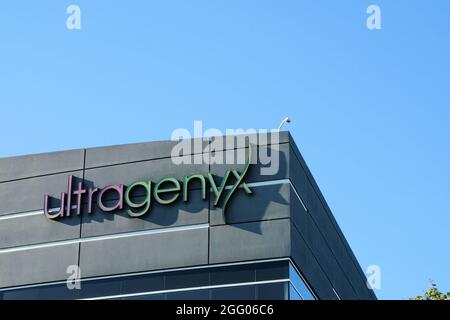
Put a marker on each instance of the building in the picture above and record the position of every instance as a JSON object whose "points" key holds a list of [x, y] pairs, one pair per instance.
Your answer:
{"points": [[132, 239]]}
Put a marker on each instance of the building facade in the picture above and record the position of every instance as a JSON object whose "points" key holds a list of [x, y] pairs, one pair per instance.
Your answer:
{"points": [[135, 222]]}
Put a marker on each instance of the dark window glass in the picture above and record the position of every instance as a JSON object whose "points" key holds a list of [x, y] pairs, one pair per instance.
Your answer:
{"points": [[186, 279], [177, 280], [189, 295], [232, 274], [143, 283], [100, 288], [272, 270], [272, 291], [234, 293], [52, 292]]}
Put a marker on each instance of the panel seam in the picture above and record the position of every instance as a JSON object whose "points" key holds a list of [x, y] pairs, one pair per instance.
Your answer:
{"points": [[81, 216]]}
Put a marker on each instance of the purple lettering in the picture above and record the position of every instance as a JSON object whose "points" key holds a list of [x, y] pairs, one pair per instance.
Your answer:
{"points": [[61, 210], [69, 195], [90, 195], [118, 205], [79, 192]]}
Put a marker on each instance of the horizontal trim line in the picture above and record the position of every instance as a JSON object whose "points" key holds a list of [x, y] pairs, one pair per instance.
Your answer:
{"points": [[22, 215], [104, 237], [31, 213], [275, 182], [229, 285], [261, 183]]}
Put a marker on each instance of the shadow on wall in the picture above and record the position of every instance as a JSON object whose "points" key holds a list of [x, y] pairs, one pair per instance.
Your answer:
{"points": [[265, 202], [269, 201]]}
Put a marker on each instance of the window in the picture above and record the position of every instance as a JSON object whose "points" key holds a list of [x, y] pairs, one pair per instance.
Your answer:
{"points": [[234, 293], [299, 284], [268, 280]]}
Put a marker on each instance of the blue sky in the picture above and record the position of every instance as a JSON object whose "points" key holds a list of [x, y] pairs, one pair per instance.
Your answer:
{"points": [[370, 109]]}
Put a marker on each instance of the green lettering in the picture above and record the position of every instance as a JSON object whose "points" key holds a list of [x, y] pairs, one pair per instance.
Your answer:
{"points": [[159, 190], [218, 191], [146, 203], [187, 179]]}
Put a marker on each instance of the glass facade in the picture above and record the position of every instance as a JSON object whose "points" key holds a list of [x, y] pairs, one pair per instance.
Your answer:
{"points": [[270, 280]]}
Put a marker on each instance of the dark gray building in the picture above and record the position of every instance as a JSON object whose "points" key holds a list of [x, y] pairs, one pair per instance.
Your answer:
{"points": [[277, 239]]}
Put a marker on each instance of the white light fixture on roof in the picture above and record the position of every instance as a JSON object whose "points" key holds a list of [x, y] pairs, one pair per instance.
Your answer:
{"points": [[285, 120]]}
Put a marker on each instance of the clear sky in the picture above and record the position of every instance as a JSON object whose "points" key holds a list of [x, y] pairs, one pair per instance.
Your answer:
{"points": [[370, 108]]}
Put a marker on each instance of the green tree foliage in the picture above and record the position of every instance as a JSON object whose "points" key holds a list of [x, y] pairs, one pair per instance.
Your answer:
{"points": [[433, 294]]}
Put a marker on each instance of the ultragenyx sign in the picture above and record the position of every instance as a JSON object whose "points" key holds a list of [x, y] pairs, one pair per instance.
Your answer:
{"points": [[165, 192]]}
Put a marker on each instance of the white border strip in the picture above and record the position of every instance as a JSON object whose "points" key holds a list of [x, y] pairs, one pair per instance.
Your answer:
{"points": [[30, 213], [298, 196], [21, 215], [229, 285], [105, 237], [273, 183], [276, 182]]}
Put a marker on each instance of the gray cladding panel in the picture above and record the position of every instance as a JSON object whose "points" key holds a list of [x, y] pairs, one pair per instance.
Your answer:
{"points": [[265, 203], [144, 252], [329, 231], [250, 241], [239, 140], [37, 265], [40, 164], [310, 268], [28, 194], [159, 216], [153, 170], [35, 229], [268, 162], [105, 156], [321, 251]]}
